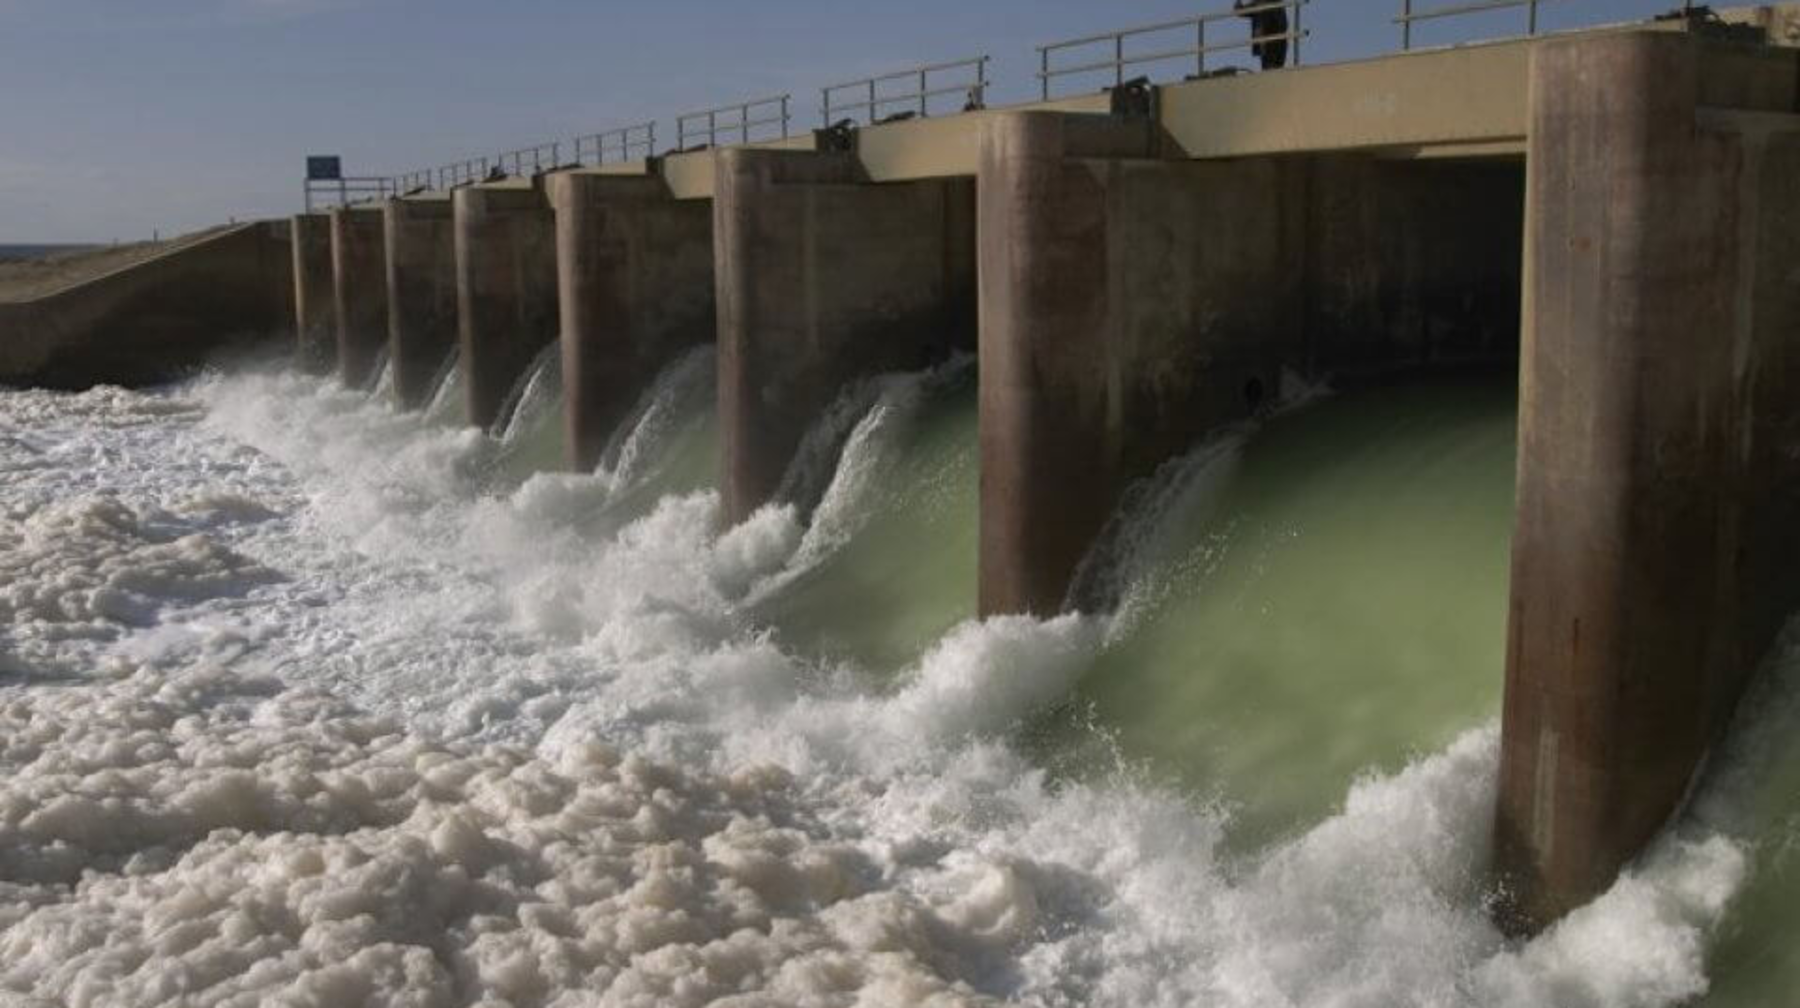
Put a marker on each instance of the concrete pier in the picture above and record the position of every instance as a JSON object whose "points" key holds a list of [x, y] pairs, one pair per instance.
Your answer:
{"points": [[824, 277], [421, 284], [359, 274], [505, 288], [635, 283], [315, 293], [1659, 456], [1131, 302]]}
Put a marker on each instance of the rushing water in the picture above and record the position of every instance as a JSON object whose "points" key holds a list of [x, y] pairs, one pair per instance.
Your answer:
{"points": [[310, 701], [887, 565], [1314, 599]]}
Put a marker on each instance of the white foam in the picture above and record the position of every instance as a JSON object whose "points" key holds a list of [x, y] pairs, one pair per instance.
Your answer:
{"points": [[455, 747]]}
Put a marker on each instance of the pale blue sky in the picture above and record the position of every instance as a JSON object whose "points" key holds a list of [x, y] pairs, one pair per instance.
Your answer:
{"points": [[118, 117]]}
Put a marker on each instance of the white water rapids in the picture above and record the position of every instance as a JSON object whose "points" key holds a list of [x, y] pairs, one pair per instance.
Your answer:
{"points": [[296, 709]]}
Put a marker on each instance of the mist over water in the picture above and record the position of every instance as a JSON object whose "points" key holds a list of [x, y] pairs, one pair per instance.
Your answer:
{"points": [[311, 701]]}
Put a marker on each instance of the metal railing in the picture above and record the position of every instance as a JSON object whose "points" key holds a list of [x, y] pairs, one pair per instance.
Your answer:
{"points": [[741, 119], [1120, 59], [462, 173], [323, 194], [622, 144], [912, 91], [530, 160], [1410, 16], [870, 96]]}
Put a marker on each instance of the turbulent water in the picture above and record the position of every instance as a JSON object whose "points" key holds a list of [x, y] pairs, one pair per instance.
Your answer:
{"points": [[309, 701]]}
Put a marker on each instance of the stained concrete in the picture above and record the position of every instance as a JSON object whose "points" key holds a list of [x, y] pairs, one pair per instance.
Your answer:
{"points": [[156, 320], [1659, 441], [421, 283], [824, 278], [506, 296], [359, 276], [635, 286], [315, 293]]}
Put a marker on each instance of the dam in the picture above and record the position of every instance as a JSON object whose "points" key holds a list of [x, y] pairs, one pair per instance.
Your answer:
{"points": [[843, 449]]}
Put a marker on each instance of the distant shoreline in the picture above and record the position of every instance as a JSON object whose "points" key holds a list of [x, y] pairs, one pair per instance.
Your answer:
{"points": [[44, 250]]}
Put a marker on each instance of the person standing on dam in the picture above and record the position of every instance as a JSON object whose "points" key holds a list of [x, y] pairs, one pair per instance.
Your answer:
{"points": [[1268, 31]]}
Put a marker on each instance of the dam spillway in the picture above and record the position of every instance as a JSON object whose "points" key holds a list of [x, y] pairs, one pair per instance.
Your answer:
{"points": [[950, 352]]}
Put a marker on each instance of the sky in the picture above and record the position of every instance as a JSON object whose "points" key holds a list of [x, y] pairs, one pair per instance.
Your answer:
{"points": [[124, 118]]}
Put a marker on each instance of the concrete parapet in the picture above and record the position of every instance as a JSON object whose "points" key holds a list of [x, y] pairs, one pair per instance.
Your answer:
{"points": [[154, 320], [359, 275], [421, 286], [1130, 304], [1659, 441], [635, 282], [506, 300], [822, 278], [315, 298]]}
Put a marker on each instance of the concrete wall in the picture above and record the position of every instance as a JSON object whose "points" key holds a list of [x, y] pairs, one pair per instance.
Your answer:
{"points": [[155, 320], [635, 285], [315, 293], [360, 283], [822, 278], [506, 300], [421, 286], [1659, 456], [1129, 305], [1411, 262]]}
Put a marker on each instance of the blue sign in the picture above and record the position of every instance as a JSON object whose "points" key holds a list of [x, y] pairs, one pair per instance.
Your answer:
{"points": [[324, 169]]}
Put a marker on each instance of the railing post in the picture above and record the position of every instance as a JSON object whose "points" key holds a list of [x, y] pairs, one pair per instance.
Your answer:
{"points": [[1299, 33], [784, 119], [1531, 16], [1405, 25], [1119, 60], [923, 87], [1200, 48], [1044, 71]]}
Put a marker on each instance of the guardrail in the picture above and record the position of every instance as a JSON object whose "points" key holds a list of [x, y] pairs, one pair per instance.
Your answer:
{"points": [[463, 173], [530, 160], [1276, 40], [871, 99], [348, 191], [625, 142], [1409, 16], [1120, 59], [705, 123]]}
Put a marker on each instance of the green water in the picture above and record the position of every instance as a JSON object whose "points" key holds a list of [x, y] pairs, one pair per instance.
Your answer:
{"points": [[685, 459], [908, 573], [535, 446], [1331, 599], [448, 406], [1755, 960]]}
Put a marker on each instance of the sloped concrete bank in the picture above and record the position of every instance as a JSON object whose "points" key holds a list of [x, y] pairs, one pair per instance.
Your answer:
{"points": [[153, 320]]}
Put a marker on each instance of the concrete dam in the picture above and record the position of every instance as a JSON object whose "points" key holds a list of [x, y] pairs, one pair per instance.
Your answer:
{"points": [[1551, 284]]}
